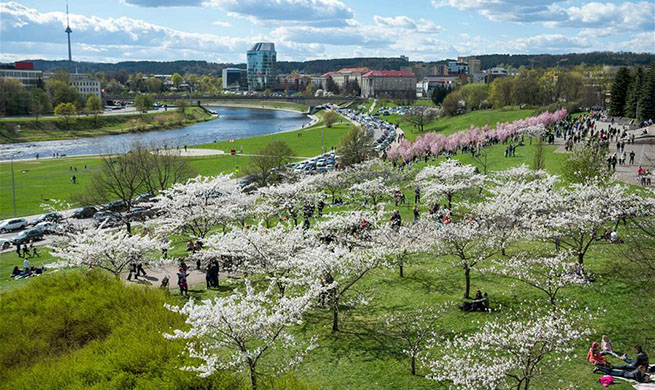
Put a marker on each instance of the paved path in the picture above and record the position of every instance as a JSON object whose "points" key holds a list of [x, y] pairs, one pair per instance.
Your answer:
{"points": [[644, 153], [196, 277]]}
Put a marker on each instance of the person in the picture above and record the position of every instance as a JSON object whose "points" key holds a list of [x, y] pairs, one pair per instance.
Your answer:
{"points": [[132, 271], [396, 220], [164, 282], [637, 374], [606, 348], [16, 272], [74, 179], [306, 224], [140, 270], [614, 237], [320, 206], [632, 157], [594, 356], [417, 195], [415, 212], [183, 265], [18, 250], [182, 282], [26, 251], [34, 251]]}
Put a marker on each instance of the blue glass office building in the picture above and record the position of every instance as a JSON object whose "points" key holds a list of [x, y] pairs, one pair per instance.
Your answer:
{"points": [[261, 66]]}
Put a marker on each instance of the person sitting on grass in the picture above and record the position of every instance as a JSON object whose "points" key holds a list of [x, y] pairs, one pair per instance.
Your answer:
{"points": [[606, 348], [594, 356], [16, 272], [637, 374]]}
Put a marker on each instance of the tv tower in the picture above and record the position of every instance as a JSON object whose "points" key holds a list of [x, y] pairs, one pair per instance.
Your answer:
{"points": [[68, 31]]}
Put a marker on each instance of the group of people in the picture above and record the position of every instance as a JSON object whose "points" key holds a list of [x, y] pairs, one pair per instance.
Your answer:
{"points": [[479, 303], [637, 369], [27, 251], [27, 271]]}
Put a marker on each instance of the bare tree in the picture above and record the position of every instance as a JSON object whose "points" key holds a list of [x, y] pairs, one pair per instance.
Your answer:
{"points": [[161, 167], [269, 162], [420, 116]]}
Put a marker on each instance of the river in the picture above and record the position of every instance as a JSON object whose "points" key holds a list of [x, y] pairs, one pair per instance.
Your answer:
{"points": [[233, 122]]}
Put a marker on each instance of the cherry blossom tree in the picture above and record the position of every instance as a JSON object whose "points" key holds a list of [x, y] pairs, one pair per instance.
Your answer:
{"points": [[370, 190], [548, 274], [582, 211], [106, 249], [469, 242], [400, 243], [287, 200], [509, 353], [261, 250], [332, 182], [414, 328], [237, 331], [200, 205], [448, 179]]}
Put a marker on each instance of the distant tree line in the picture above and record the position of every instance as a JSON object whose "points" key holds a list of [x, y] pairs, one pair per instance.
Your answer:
{"points": [[381, 63], [633, 93]]}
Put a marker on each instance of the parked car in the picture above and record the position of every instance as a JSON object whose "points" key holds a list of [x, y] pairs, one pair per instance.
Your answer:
{"points": [[106, 219], [117, 205], [28, 235], [84, 212], [47, 227], [140, 213], [5, 243], [49, 217], [13, 224], [143, 198]]}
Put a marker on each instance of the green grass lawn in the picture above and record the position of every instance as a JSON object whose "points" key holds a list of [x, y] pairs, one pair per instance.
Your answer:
{"points": [[451, 125]]}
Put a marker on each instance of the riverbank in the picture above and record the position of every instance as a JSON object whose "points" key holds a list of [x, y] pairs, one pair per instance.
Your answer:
{"points": [[261, 104], [51, 129]]}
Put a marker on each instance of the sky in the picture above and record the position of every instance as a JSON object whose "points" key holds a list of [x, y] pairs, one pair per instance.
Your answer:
{"points": [[223, 30]]}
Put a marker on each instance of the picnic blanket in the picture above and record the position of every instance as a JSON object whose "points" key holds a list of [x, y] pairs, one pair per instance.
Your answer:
{"points": [[645, 386]]}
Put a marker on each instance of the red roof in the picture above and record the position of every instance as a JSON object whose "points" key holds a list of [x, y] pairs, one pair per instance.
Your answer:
{"points": [[328, 74], [389, 73], [354, 70]]}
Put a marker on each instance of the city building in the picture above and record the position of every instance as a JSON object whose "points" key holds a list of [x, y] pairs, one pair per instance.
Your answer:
{"points": [[388, 83], [429, 83], [294, 81], [261, 66], [422, 69], [474, 65], [346, 75], [494, 73], [86, 85], [456, 67], [23, 72], [231, 79]]}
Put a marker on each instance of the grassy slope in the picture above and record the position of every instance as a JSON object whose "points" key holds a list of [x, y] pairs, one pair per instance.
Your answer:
{"points": [[83, 126], [462, 122]]}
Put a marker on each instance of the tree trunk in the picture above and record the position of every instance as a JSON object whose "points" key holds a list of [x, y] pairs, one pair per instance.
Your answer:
{"points": [[128, 225], [402, 275], [450, 201], [580, 257], [467, 276], [335, 317], [253, 375], [413, 364]]}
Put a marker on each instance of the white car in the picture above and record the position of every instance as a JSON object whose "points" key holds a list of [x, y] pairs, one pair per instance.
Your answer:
{"points": [[47, 227], [13, 224]]}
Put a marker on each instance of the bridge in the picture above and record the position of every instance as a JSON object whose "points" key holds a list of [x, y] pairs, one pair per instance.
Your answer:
{"points": [[309, 101]]}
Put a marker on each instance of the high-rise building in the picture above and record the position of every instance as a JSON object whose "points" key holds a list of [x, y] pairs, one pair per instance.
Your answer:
{"points": [[261, 66], [231, 79]]}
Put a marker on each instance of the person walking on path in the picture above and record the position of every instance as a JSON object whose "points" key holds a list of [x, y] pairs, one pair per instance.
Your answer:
{"points": [[132, 269], [417, 195], [140, 270], [415, 213], [182, 282]]}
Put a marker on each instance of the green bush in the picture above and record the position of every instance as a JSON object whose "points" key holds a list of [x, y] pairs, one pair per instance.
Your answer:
{"points": [[92, 331]]}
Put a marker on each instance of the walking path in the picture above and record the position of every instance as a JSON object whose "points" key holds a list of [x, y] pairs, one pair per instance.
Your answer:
{"points": [[155, 275], [644, 153]]}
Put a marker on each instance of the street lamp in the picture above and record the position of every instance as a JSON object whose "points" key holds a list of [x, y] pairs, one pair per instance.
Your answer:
{"points": [[13, 183]]}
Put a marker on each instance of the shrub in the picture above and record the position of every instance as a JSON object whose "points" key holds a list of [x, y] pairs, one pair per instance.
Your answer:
{"points": [[79, 330]]}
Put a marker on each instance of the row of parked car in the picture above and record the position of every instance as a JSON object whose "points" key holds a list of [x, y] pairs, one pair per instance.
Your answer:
{"points": [[320, 164], [107, 215], [372, 123]]}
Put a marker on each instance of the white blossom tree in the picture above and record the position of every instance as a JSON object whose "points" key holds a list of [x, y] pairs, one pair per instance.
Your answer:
{"points": [[448, 179], [287, 200], [413, 328], [236, 331], [200, 205], [468, 242], [261, 250], [106, 249], [548, 274], [370, 191], [509, 353], [581, 212], [332, 182]]}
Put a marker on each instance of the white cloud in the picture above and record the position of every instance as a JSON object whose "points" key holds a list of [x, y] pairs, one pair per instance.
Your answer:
{"points": [[163, 3], [222, 24], [315, 12]]}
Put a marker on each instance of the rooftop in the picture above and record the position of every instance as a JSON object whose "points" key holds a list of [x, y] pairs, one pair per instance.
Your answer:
{"points": [[263, 46], [388, 73]]}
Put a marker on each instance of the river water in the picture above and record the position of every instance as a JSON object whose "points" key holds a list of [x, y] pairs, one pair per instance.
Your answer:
{"points": [[233, 122]]}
